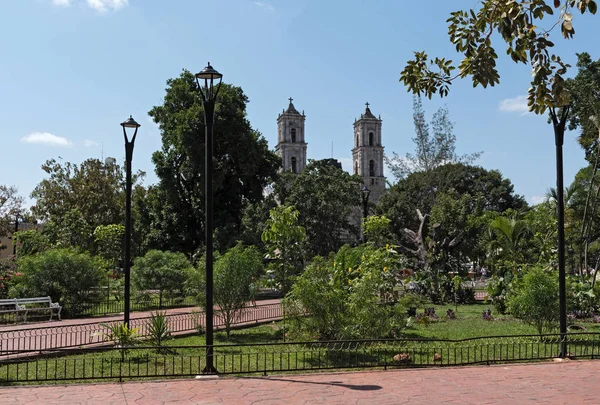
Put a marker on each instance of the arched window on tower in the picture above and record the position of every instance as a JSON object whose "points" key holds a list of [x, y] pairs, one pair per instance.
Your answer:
{"points": [[356, 168], [293, 134], [372, 168], [371, 138], [294, 168]]}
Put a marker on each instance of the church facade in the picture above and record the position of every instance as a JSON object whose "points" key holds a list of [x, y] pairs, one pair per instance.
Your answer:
{"points": [[367, 153]]}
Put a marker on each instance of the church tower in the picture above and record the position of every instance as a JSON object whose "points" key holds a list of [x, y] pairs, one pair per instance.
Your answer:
{"points": [[367, 154], [291, 146]]}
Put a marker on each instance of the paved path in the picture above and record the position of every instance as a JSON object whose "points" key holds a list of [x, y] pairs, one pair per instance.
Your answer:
{"points": [[14, 339], [107, 318], [570, 382]]}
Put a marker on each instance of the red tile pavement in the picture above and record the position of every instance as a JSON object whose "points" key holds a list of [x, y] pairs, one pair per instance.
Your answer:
{"points": [[107, 318], [572, 382]]}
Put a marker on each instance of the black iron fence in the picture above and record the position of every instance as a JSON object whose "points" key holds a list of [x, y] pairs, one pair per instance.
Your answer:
{"points": [[22, 341], [182, 361], [142, 303]]}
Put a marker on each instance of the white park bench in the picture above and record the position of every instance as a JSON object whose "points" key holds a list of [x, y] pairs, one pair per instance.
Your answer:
{"points": [[21, 306]]}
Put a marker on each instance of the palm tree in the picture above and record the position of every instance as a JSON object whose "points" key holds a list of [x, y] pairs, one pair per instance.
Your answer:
{"points": [[510, 232]]}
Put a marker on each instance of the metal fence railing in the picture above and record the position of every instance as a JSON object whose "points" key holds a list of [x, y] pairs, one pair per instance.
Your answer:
{"points": [[144, 303], [181, 361], [59, 337]]}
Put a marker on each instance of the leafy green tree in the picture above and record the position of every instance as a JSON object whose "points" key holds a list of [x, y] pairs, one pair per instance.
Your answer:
{"points": [[585, 104], [325, 196], [235, 275], [520, 26], [432, 150], [534, 299], [31, 242], [66, 275], [10, 205], [108, 240], [283, 239], [75, 199], [162, 271], [488, 189], [243, 163]]}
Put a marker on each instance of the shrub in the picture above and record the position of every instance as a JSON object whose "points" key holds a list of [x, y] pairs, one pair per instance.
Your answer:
{"points": [[348, 296], [66, 275], [233, 277], [162, 271], [534, 299]]}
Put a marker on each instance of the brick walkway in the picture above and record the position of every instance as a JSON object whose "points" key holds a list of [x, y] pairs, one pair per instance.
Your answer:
{"points": [[570, 382], [88, 331]]}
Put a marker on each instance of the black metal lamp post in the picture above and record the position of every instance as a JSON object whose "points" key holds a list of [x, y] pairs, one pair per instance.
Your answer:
{"points": [[365, 193], [559, 121], [17, 216], [209, 91], [131, 124]]}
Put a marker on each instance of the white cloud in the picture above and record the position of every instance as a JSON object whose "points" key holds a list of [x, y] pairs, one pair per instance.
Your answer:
{"points": [[517, 104], [264, 6], [46, 138], [88, 143], [537, 199], [101, 6], [105, 5]]}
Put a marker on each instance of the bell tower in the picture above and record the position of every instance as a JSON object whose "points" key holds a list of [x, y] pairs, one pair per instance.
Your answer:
{"points": [[291, 146], [367, 154]]}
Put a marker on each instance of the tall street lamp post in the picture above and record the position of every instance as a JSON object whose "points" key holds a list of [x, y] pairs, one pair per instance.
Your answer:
{"points": [[559, 121], [209, 90], [365, 193], [131, 124]]}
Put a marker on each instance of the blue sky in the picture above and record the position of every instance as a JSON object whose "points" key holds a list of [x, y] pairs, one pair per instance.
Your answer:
{"points": [[72, 70]]}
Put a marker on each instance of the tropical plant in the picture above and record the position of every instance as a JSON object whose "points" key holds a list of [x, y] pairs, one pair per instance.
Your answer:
{"points": [[159, 330], [510, 232], [121, 335]]}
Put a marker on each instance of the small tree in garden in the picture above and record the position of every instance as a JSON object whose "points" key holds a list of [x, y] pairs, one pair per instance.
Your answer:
{"points": [[534, 299], [66, 275], [233, 278], [162, 271], [283, 239]]}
